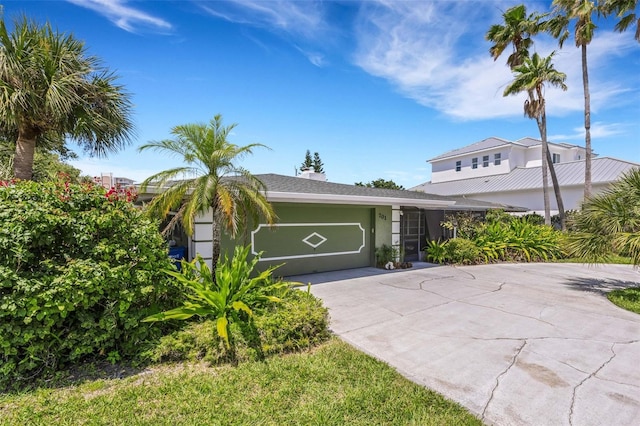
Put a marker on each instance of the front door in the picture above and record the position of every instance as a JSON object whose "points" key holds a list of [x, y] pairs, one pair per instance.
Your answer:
{"points": [[412, 231]]}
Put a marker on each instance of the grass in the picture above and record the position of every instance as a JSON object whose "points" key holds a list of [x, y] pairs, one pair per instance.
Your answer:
{"points": [[627, 298], [612, 259], [332, 385]]}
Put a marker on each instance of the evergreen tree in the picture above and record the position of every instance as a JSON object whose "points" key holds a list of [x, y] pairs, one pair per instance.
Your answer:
{"points": [[317, 163], [308, 162]]}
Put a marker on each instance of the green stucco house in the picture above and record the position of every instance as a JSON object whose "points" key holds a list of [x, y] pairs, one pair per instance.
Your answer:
{"points": [[325, 226]]}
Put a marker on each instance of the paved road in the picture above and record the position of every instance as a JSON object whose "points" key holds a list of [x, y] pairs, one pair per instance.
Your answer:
{"points": [[517, 344]]}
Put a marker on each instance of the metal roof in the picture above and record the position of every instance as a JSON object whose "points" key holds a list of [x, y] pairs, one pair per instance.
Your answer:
{"points": [[603, 170], [494, 142]]}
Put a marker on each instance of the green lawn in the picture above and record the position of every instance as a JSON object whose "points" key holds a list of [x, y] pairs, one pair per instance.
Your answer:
{"points": [[333, 384], [628, 298]]}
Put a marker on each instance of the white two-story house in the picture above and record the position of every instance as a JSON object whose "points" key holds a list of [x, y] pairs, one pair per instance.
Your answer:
{"points": [[506, 172]]}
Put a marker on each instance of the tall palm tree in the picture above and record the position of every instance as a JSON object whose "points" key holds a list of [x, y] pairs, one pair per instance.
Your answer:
{"points": [[517, 31], [210, 180], [626, 11], [531, 77], [580, 11], [50, 89], [609, 223]]}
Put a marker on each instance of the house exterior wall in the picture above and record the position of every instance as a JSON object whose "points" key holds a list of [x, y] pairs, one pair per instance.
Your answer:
{"points": [[445, 170], [572, 197], [308, 238]]}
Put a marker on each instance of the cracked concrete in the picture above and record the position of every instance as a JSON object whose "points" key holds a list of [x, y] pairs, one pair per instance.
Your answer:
{"points": [[517, 344]]}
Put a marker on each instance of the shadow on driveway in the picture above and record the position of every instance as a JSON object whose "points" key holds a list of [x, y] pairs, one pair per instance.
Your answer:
{"points": [[599, 286]]}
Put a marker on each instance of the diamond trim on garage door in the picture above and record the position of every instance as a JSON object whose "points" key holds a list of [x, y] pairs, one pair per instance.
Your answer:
{"points": [[318, 244]]}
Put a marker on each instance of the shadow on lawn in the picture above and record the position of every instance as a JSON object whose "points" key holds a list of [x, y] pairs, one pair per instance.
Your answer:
{"points": [[600, 286]]}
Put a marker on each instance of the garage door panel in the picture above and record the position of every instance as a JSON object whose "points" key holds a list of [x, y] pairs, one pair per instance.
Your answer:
{"points": [[305, 240]]}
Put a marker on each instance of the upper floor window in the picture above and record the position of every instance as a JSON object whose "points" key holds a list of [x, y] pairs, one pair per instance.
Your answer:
{"points": [[474, 163], [485, 161], [497, 159], [458, 166], [556, 158]]}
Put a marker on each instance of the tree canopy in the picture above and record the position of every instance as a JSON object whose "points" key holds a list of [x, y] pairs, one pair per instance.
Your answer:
{"points": [[51, 89], [381, 183]]}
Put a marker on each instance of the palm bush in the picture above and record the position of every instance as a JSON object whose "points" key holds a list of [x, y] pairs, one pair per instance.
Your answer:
{"points": [[436, 251], [609, 223]]}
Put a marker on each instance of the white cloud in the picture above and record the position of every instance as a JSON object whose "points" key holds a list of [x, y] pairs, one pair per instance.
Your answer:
{"points": [[298, 18], [598, 130], [125, 17], [434, 53]]}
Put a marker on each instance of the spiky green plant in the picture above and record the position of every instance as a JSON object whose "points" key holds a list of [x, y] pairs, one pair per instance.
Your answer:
{"points": [[231, 297]]}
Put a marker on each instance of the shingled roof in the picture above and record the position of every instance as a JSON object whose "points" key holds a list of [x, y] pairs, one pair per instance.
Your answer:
{"points": [[282, 188]]}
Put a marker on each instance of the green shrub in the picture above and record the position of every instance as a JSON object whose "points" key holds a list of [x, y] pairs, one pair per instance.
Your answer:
{"points": [[79, 269], [385, 254], [298, 322], [436, 251], [230, 297], [463, 251]]}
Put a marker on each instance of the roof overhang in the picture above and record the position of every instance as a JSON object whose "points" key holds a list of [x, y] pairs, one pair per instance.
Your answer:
{"points": [[295, 197]]}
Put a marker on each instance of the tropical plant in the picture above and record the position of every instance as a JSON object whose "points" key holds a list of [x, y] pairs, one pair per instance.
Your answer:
{"points": [[299, 322], [78, 272], [531, 77], [609, 223], [436, 251], [385, 254], [517, 30], [230, 298], [464, 223], [211, 181], [51, 90], [581, 11], [626, 11]]}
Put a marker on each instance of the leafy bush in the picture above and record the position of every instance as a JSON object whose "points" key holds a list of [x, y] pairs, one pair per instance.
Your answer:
{"points": [[228, 297], [436, 251], [298, 322], [463, 251], [385, 254], [78, 272]]}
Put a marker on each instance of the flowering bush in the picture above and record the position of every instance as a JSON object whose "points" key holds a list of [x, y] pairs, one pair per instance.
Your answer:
{"points": [[78, 272]]}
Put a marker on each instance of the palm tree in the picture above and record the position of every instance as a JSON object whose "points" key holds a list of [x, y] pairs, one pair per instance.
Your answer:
{"points": [[50, 89], [582, 12], [531, 77], [609, 223], [517, 30], [210, 180], [625, 10]]}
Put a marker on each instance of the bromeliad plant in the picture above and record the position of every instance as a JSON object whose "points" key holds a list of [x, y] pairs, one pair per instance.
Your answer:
{"points": [[231, 297]]}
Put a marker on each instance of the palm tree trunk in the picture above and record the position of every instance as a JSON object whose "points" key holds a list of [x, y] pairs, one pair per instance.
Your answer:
{"points": [[25, 149], [587, 124], [552, 172], [545, 167], [215, 241]]}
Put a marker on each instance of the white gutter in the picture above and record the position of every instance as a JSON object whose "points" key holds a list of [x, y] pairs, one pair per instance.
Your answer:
{"points": [[296, 197]]}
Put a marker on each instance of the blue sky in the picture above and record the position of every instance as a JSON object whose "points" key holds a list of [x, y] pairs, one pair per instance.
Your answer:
{"points": [[376, 87]]}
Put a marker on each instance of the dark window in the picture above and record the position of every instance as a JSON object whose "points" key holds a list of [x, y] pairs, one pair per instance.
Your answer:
{"points": [[485, 161], [474, 163], [458, 166], [556, 158], [497, 159]]}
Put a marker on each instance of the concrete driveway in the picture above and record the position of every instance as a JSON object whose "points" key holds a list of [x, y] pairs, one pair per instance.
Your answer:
{"points": [[517, 344]]}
